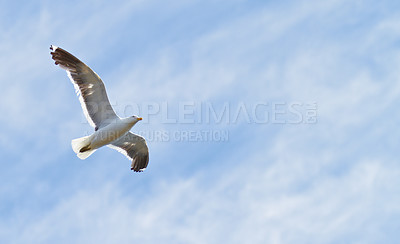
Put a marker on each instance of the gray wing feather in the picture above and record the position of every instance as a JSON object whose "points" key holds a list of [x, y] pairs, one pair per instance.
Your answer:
{"points": [[135, 148], [89, 86]]}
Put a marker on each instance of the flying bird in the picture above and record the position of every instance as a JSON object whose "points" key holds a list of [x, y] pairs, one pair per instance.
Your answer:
{"points": [[109, 129]]}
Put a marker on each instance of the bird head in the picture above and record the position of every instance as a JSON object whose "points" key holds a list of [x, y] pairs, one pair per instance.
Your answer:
{"points": [[136, 118]]}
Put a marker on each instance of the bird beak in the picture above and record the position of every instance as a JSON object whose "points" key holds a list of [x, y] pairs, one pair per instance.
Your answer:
{"points": [[139, 118]]}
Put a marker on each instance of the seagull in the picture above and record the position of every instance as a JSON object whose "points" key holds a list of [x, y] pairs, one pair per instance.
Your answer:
{"points": [[109, 129]]}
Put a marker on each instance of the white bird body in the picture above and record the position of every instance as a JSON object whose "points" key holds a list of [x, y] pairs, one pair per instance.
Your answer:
{"points": [[112, 132], [85, 146], [110, 129]]}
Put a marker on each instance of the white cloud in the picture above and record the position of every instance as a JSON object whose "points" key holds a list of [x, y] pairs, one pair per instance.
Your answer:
{"points": [[254, 205]]}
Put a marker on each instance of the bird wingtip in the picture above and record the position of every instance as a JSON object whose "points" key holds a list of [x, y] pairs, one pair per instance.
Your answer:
{"points": [[138, 170], [53, 48]]}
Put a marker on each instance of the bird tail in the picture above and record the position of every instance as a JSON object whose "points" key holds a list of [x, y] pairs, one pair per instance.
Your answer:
{"points": [[81, 147]]}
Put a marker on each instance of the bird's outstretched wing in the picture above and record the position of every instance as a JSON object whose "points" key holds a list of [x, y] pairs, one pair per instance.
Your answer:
{"points": [[133, 147], [89, 87]]}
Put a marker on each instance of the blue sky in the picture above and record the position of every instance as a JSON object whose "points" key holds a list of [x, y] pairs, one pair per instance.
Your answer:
{"points": [[335, 179]]}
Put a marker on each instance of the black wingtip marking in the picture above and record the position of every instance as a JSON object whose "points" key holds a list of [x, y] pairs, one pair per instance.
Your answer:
{"points": [[139, 164], [137, 170]]}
